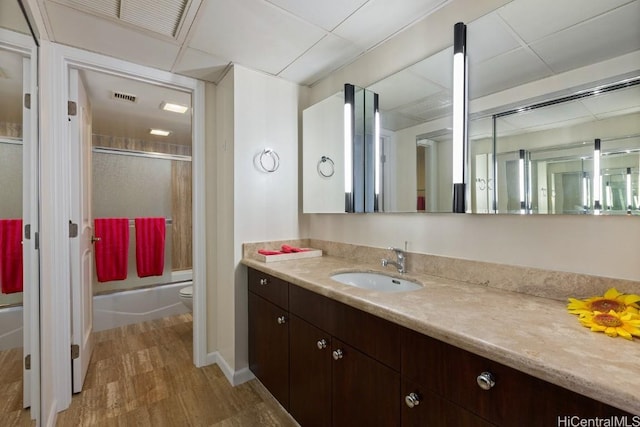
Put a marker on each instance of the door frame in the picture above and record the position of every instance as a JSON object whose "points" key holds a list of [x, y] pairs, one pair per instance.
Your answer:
{"points": [[57, 60], [25, 45]]}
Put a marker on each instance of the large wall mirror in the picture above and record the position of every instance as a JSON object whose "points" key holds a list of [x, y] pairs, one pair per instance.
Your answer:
{"points": [[19, 286], [517, 57]]}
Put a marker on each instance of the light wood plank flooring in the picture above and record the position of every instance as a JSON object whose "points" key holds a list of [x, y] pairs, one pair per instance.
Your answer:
{"points": [[143, 375], [11, 412]]}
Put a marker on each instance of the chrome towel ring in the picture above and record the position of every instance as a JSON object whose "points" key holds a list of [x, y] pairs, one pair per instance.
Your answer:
{"points": [[329, 168], [272, 159]]}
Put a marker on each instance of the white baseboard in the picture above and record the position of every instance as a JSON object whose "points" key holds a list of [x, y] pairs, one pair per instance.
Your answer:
{"points": [[234, 377]]}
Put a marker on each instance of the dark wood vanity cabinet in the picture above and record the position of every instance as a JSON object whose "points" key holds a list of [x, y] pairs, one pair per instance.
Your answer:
{"points": [[269, 333], [330, 364]]}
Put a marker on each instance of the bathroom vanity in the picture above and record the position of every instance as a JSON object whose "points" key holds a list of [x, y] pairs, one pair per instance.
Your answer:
{"points": [[335, 355]]}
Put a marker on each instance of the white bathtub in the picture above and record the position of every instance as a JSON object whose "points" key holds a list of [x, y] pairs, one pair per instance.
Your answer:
{"points": [[129, 307], [10, 328]]}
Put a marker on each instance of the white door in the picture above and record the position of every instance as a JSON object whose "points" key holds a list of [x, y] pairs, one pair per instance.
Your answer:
{"points": [[81, 246]]}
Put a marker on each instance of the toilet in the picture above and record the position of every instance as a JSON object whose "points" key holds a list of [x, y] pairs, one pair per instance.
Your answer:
{"points": [[186, 296]]}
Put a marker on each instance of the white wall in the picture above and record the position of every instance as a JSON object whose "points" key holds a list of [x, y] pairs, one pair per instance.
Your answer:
{"points": [[590, 245], [254, 111]]}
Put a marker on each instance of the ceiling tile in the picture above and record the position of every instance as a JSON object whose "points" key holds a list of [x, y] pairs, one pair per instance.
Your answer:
{"points": [[94, 34], [548, 116], [437, 68], [377, 20], [326, 14], [252, 33], [488, 37], [533, 20], [593, 41], [607, 102], [327, 55], [402, 88], [505, 71], [201, 65]]}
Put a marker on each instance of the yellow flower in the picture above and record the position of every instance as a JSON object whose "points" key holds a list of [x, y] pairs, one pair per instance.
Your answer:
{"points": [[612, 300], [613, 324]]}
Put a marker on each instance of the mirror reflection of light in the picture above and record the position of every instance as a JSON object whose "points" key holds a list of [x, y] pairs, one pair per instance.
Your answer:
{"points": [[458, 117], [348, 150], [521, 180], [608, 196], [377, 150], [629, 191], [596, 177]]}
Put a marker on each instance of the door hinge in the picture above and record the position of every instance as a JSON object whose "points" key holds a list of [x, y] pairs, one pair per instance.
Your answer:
{"points": [[27, 101], [37, 240], [73, 229], [75, 351], [27, 362], [27, 231], [72, 108]]}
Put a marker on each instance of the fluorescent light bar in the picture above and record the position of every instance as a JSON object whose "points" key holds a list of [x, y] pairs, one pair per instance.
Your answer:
{"points": [[160, 132], [459, 116], [349, 101], [608, 196], [521, 180], [378, 156], [629, 191], [174, 108], [597, 185]]}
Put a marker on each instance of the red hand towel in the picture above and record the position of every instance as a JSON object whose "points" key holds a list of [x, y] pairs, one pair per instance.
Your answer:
{"points": [[289, 249], [150, 237], [112, 250], [268, 252], [421, 203], [10, 255]]}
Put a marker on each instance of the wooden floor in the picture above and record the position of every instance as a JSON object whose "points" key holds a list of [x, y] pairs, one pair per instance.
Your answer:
{"points": [[143, 375], [11, 412]]}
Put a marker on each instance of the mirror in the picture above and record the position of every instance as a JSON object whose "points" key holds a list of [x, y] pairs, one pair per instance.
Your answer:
{"points": [[517, 57]]}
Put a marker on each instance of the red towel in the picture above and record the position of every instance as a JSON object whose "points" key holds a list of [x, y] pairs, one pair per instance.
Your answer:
{"points": [[10, 255], [112, 250], [290, 249], [268, 252], [421, 203], [150, 234]]}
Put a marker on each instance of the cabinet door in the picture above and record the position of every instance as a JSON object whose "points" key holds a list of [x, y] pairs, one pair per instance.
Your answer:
{"points": [[425, 408], [365, 392], [309, 374], [269, 346]]}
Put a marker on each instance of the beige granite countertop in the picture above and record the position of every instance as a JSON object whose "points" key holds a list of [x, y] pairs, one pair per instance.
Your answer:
{"points": [[532, 334]]}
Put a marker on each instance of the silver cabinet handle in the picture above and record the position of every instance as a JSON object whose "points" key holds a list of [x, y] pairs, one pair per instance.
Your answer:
{"points": [[412, 400], [338, 354], [264, 281], [322, 344], [281, 320], [486, 380]]}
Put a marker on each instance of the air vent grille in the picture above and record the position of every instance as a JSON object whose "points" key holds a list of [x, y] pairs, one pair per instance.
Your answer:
{"points": [[124, 97]]}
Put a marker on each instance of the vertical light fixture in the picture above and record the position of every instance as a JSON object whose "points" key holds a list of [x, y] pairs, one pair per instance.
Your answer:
{"points": [[629, 206], [597, 185], [378, 153], [349, 99], [459, 115], [585, 191], [521, 181], [608, 196]]}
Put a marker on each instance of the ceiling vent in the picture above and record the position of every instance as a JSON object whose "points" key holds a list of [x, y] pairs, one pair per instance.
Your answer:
{"points": [[127, 97], [160, 16]]}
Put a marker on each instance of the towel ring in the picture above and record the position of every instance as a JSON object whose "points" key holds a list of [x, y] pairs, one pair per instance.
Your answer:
{"points": [[275, 160], [332, 166]]}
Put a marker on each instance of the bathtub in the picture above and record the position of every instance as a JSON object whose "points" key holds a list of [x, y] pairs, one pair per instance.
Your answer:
{"points": [[10, 328], [135, 306]]}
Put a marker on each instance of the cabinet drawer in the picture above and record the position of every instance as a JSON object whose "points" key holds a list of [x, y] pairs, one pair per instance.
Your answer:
{"points": [[269, 287], [452, 373], [370, 334]]}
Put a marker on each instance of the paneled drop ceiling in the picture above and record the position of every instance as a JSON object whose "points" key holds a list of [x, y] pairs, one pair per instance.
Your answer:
{"points": [[301, 41]]}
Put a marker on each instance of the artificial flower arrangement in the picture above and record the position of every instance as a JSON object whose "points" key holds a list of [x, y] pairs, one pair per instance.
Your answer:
{"points": [[614, 313]]}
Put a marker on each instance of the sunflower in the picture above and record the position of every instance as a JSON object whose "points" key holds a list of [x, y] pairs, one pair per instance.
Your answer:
{"points": [[612, 300], [613, 323]]}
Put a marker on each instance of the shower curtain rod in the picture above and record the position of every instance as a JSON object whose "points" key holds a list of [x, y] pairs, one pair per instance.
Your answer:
{"points": [[148, 154]]}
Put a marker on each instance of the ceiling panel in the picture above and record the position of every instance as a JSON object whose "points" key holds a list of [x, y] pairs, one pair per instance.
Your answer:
{"points": [[548, 116], [403, 88], [327, 55], [610, 35], [505, 71], [201, 65], [533, 20], [488, 37], [326, 14], [621, 99], [253, 33], [438, 68], [377, 20], [107, 37]]}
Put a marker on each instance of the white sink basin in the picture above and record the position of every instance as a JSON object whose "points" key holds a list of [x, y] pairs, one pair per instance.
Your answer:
{"points": [[376, 282]]}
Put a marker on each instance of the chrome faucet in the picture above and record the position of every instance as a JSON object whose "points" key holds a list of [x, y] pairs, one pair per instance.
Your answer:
{"points": [[399, 264]]}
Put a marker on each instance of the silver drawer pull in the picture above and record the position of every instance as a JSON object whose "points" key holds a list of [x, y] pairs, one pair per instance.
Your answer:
{"points": [[338, 354], [281, 320], [412, 400], [486, 381], [322, 344], [264, 281]]}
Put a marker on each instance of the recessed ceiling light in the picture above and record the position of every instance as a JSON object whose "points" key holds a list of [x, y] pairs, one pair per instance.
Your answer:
{"points": [[174, 108], [160, 132]]}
